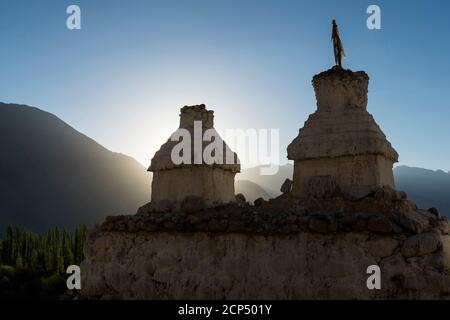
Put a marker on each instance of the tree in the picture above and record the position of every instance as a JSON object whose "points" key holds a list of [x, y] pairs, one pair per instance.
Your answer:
{"points": [[33, 265]]}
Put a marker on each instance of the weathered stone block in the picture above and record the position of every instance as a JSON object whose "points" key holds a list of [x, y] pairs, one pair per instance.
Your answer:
{"points": [[382, 224], [421, 244], [413, 221], [192, 204], [286, 186], [240, 198]]}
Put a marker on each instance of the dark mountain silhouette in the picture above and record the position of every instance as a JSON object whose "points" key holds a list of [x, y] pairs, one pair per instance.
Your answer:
{"points": [[250, 190], [52, 175]]}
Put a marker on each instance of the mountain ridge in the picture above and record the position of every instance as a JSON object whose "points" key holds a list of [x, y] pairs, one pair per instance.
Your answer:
{"points": [[43, 156]]}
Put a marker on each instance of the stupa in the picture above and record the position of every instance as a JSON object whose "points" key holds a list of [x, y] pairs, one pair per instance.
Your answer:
{"points": [[341, 150], [214, 182]]}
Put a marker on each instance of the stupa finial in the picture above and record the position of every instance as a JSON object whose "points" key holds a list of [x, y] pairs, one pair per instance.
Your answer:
{"points": [[337, 45]]}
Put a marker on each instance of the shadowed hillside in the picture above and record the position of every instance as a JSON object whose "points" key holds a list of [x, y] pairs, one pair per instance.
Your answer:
{"points": [[52, 175], [427, 188], [270, 183]]}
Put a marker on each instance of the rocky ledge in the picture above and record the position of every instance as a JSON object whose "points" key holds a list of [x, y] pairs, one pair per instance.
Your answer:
{"points": [[247, 219], [386, 211]]}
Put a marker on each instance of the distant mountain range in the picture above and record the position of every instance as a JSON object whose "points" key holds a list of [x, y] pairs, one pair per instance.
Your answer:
{"points": [[427, 188], [53, 175]]}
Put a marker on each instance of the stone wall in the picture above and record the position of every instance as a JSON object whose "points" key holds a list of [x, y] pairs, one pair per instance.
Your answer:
{"points": [[243, 266], [271, 251]]}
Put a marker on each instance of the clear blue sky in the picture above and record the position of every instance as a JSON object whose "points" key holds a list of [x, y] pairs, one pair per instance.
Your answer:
{"points": [[122, 78]]}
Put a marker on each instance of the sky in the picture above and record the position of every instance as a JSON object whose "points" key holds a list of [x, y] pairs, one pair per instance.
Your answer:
{"points": [[123, 77]]}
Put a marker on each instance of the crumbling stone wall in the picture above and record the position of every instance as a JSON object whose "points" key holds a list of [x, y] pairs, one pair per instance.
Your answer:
{"points": [[280, 249]]}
